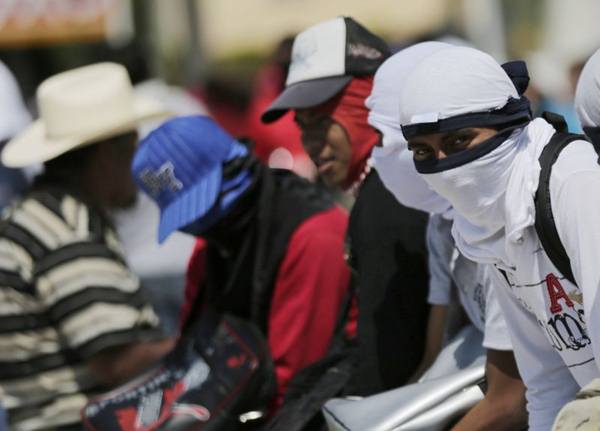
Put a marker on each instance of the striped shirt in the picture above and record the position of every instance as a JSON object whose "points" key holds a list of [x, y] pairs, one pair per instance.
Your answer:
{"points": [[65, 294]]}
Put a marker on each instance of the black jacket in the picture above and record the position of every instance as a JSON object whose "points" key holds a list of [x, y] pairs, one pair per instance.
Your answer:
{"points": [[387, 250]]}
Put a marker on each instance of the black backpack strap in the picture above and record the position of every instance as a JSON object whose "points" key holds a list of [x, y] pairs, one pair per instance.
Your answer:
{"points": [[544, 219], [557, 121]]}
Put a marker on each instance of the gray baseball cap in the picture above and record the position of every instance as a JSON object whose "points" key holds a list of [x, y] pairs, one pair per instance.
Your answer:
{"points": [[325, 58]]}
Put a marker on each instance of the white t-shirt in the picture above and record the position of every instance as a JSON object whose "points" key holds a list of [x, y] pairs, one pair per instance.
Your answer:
{"points": [[554, 346], [448, 267]]}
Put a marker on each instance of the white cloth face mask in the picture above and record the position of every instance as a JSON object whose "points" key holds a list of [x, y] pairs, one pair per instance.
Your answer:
{"points": [[477, 188], [397, 172]]}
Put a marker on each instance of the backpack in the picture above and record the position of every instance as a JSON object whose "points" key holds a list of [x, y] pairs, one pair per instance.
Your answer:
{"points": [[544, 219], [218, 377]]}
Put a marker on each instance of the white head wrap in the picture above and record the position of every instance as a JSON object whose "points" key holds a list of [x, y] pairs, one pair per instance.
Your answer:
{"points": [[587, 96], [14, 117], [452, 82], [457, 81], [393, 161]]}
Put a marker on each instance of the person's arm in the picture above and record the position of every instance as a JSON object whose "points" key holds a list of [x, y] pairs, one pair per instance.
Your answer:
{"points": [[311, 285], [549, 383], [503, 407], [433, 344], [439, 248], [95, 303], [116, 365]]}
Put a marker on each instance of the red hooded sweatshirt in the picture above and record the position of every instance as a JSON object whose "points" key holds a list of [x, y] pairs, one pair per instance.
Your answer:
{"points": [[349, 111]]}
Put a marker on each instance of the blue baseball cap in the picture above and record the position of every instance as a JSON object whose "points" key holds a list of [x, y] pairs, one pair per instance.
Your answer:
{"points": [[180, 166]]}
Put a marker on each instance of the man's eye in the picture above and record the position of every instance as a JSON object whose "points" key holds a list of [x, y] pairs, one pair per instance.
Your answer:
{"points": [[458, 143], [421, 152], [462, 141]]}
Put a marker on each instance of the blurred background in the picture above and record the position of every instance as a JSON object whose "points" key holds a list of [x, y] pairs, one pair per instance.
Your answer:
{"points": [[229, 58], [217, 48]]}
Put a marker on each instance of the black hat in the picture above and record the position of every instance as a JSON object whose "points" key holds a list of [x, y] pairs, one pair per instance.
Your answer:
{"points": [[325, 58]]}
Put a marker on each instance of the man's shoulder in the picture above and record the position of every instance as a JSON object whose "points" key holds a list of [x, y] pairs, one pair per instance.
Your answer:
{"points": [[331, 222], [319, 239], [577, 157], [46, 220]]}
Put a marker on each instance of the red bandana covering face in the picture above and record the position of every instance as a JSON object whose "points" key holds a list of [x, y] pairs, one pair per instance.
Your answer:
{"points": [[349, 111]]}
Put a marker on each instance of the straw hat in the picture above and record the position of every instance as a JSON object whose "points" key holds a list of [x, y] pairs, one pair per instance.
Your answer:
{"points": [[77, 108]]}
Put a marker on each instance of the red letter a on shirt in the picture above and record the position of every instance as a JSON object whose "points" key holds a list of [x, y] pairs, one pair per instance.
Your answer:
{"points": [[555, 292]]}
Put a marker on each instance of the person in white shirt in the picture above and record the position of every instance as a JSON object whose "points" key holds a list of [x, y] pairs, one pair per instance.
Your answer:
{"points": [[474, 143], [504, 404], [448, 268]]}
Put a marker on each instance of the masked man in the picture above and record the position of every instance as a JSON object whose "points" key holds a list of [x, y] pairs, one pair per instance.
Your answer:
{"points": [[504, 403], [474, 142], [274, 241]]}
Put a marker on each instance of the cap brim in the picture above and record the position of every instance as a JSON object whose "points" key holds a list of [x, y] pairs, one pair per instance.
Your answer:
{"points": [[191, 205], [305, 94], [34, 146]]}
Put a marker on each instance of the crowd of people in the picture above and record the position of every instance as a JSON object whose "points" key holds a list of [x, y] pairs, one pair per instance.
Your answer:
{"points": [[458, 191]]}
